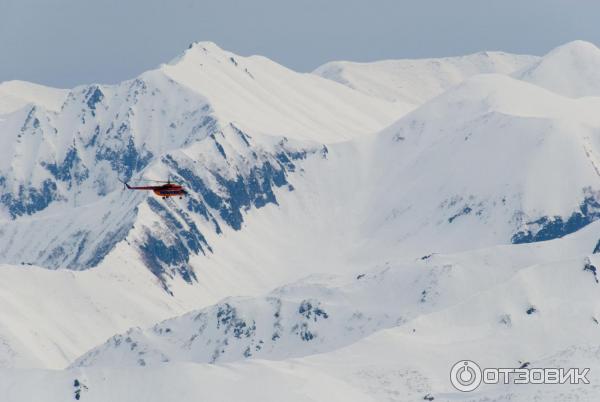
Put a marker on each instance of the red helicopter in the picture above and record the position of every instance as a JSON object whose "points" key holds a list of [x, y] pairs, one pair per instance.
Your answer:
{"points": [[165, 190]]}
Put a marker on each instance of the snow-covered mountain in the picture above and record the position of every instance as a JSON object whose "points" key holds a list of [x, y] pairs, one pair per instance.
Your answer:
{"points": [[160, 123], [413, 82], [490, 161], [322, 313], [351, 232], [390, 333], [570, 70], [50, 317]]}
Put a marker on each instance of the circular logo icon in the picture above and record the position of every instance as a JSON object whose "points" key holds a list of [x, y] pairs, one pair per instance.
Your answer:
{"points": [[465, 376]]}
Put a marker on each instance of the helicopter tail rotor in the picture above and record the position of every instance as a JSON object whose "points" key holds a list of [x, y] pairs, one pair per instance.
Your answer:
{"points": [[125, 185]]}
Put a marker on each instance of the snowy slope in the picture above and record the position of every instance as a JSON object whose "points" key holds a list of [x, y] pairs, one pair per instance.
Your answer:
{"points": [[264, 97], [439, 310], [329, 312], [16, 94], [492, 161], [375, 369], [492, 153], [48, 318], [571, 70], [413, 82]]}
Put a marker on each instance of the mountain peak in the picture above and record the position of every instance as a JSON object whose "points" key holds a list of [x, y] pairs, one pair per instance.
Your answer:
{"points": [[204, 45], [572, 70], [576, 46], [303, 106], [197, 50]]}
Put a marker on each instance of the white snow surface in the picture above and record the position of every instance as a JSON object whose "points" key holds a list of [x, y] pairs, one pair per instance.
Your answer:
{"points": [[348, 233], [392, 334], [16, 94], [265, 97], [571, 70], [325, 312], [413, 82]]}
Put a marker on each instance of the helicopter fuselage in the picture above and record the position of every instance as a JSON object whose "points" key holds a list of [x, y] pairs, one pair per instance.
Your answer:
{"points": [[169, 190], [165, 190]]}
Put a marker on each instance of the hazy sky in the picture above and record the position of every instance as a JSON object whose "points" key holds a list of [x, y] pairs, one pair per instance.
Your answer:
{"points": [[69, 42]]}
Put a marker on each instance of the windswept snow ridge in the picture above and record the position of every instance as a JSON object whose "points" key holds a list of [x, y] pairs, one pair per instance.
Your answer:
{"points": [[15, 95], [413, 82]]}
